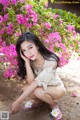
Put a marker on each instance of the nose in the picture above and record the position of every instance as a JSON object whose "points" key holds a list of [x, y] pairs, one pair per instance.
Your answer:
{"points": [[28, 54]]}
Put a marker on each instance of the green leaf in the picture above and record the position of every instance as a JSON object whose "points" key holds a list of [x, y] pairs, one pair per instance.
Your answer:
{"points": [[11, 11]]}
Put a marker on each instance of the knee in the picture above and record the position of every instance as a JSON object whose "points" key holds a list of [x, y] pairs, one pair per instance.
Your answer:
{"points": [[39, 92]]}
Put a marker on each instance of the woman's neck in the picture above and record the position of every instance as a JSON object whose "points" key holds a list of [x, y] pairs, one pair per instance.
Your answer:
{"points": [[39, 60]]}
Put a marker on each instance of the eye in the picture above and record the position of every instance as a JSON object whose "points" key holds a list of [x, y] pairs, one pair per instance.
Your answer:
{"points": [[30, 47]]}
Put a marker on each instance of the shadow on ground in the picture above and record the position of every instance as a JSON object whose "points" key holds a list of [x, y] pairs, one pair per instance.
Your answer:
{"points": [[70, 106]]}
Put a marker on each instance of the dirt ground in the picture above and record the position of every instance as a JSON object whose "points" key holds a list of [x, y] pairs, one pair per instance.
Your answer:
{"points": [[70, 105]]}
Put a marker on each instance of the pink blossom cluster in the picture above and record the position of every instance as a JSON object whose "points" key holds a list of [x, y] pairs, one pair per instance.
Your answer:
{"points": [[64, 58], [54, 40], [2, 43], [5, 3], [17, 34], [9, 73], [55, 16], [46, 4], [9, 55], [62, 46], [5, 28], [3, 18], [53, 37], [30, 19], [47, 25], [9, 29], [13, 2], [70, 28]]}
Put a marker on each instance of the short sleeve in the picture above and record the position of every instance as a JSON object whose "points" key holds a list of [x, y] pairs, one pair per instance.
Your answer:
{"points": [[46, 74]]}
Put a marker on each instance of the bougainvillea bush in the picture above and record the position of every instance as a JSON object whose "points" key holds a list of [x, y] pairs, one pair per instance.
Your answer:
{"points": [[18, 16]]}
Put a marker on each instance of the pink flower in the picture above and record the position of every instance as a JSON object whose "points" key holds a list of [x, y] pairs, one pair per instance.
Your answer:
{"points": [[46, 4], [61, 45], [0, 39], [1, 19], [21, 1], [55, 16], [5, 17], [74, 32], [51, 47], [29, 25], [1, 59], [13, 50], [17, 34], [70, 28], [46, 41], [64, 58], [74, 94], [60, 21], [47, 25], [2, 31], [14, 2], [29, 19], [10, 29], [54, 37], [8, 73], [28, 7], [4, 3], [20, 19], [3, 44]]}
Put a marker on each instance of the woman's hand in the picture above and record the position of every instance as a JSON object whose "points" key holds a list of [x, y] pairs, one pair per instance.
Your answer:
{"points": [[27, 60], [14, 108]]}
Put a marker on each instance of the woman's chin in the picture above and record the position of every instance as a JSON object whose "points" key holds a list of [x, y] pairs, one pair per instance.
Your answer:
{"points": [[33, 59]]}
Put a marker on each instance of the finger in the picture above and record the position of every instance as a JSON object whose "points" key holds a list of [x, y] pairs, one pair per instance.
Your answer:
{"points": [[10, 111], [14, 112], [21, 54]]}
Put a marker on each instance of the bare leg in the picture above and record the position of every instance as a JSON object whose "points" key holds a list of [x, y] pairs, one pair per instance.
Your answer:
{"points": [[32, 96], [40, 93], [50, 95]]}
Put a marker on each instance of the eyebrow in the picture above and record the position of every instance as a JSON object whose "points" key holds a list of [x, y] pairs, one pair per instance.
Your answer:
{"points": [[28, 46]]}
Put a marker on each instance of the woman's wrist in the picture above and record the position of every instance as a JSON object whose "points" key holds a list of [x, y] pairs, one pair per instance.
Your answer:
{"points": [[27, 63], [18, 102]]}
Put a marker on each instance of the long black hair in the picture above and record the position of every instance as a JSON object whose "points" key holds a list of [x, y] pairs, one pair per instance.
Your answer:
{"points": [[29, 36]]}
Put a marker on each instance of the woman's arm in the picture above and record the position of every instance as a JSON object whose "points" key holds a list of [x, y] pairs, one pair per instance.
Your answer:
{"points": [[16, 105], [27, 91], [30, 75]]}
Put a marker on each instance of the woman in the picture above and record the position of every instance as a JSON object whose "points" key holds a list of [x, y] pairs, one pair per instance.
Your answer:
{"points": [[38, 65]]}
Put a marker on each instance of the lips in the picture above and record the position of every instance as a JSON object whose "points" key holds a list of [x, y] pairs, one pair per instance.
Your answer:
{"points": [[31, 56]]}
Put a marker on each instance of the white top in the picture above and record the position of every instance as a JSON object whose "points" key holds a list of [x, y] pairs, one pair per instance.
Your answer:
{"points": [[47, 74]]}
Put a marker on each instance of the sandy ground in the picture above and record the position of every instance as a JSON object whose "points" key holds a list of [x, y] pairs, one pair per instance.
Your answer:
{"points": [[70, 105]]}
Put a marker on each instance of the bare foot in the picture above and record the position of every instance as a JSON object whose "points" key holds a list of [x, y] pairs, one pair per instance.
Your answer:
{"points": [[56, 112]]}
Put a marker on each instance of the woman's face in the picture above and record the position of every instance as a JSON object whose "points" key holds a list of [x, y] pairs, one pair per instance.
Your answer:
{"points": [[29, 49]]}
